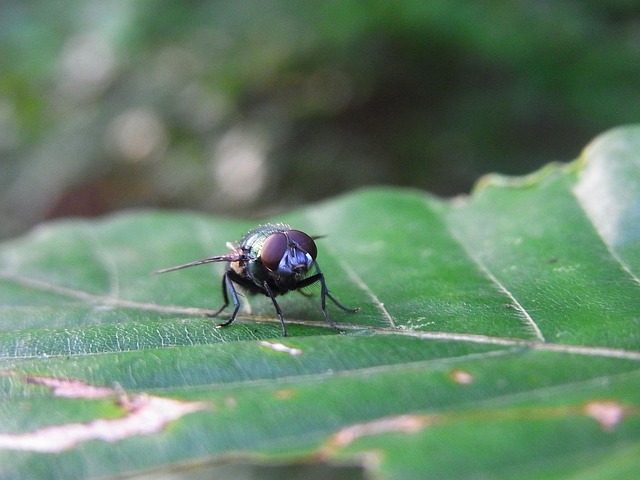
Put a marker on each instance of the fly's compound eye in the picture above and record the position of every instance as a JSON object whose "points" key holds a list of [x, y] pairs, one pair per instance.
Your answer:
{"points": [[304, 241], [273, 250]]}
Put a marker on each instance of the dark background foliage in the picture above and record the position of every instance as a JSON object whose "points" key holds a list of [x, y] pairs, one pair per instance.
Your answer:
{"points": [[250, 107]]}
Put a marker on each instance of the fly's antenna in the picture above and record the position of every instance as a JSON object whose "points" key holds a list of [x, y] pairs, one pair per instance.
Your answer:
{"points": [[219, 258]]}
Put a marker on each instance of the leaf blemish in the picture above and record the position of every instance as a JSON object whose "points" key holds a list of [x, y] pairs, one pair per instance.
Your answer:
{"points": [[461, 377], [71, 388], [607, 413], [144, 415], [397, 424], [280, 347], [284, 394]]}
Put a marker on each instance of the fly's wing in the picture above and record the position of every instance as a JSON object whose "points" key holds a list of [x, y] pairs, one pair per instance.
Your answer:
{"points": [[229, 257]]}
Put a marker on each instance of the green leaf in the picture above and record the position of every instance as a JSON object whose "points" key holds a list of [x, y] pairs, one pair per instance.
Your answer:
{"points": [[498, 336]]}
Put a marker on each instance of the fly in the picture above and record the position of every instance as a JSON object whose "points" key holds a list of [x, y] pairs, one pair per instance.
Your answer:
{"points": [[272, 260]]}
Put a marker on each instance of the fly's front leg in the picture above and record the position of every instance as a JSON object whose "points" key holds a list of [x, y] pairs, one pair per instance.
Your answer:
{"points": [[340, 305], [324, 293]]}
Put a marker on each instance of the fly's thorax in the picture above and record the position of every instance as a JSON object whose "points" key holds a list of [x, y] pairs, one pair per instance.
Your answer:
{"points": [[253, 241]]}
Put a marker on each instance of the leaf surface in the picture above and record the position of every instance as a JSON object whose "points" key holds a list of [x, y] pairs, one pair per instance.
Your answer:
{"points": [[498, 335]]}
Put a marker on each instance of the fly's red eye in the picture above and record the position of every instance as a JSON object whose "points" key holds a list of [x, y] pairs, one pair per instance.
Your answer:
{"points": [[273, 250], [304, 241]]}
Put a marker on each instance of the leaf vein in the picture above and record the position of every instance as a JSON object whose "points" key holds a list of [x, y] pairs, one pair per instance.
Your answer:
{"points": [[518, 307]]}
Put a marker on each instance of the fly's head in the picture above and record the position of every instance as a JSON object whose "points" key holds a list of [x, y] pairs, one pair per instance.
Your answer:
{"points": [[289, 253]]}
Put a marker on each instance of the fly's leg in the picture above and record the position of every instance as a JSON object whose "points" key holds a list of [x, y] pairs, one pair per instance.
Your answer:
{"points": [[227, 285], [324, 293], [319, 276], [224, 296], [277, 307], [340, 305]]}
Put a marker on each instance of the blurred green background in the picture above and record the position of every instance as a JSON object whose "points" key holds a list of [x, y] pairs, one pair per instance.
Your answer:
{"points": [[250, 107]]}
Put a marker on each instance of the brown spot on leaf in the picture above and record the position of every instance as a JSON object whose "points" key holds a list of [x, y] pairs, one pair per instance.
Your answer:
{"points": [[143, 415], [606, 412], [462, 377], [62, 387], [285, 394], [397, 424]]}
